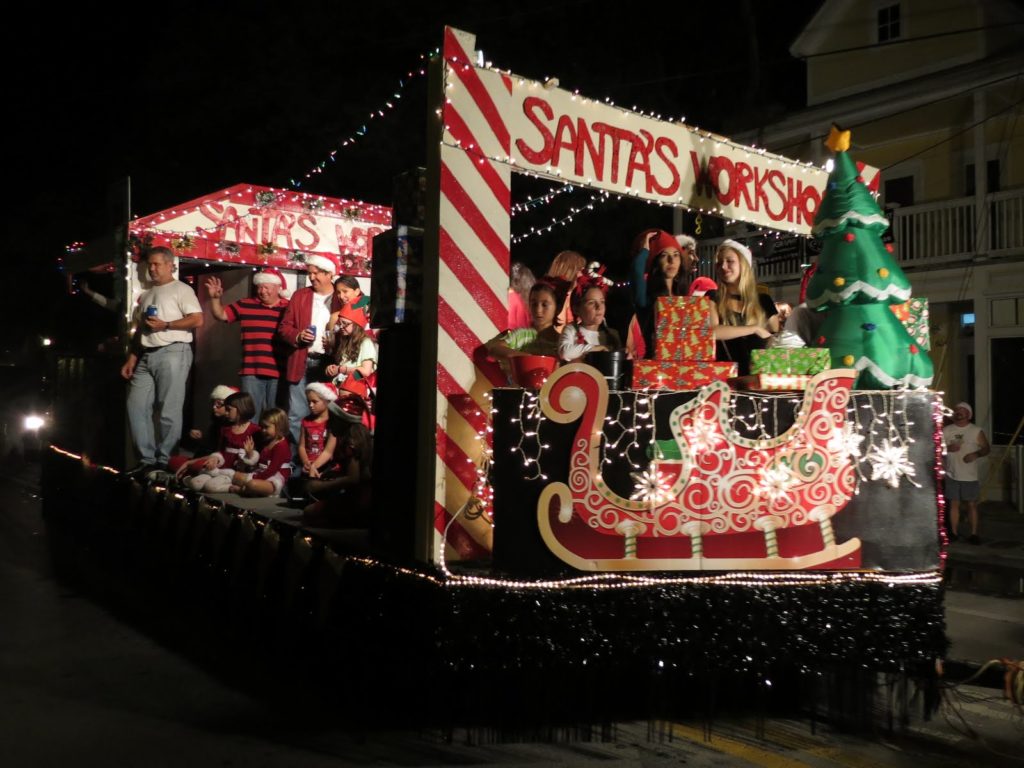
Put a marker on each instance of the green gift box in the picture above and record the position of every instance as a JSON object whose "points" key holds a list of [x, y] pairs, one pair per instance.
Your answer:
{"points": [[796, 360]]}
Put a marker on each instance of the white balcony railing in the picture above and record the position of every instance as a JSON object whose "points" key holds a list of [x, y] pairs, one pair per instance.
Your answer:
{"points": [[925, 236]]}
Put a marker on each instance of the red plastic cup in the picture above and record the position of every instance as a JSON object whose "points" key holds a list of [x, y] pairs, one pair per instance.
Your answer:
{"points": [[531, 371]]}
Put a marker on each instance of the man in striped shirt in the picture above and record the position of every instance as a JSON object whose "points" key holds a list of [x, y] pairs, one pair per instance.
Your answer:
{"points": [[262, 356]]}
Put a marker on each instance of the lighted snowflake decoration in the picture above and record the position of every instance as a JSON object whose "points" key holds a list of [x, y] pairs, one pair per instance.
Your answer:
{"points": [[650, 486], [776, 482], [846, 441], [890, 463], [703, 435]]}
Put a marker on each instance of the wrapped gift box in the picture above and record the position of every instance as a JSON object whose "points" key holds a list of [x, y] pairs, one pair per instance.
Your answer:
{"points": [[679, 376], [682, 312], [688, 345], [914, 316], [796, 360], [772, 382]]}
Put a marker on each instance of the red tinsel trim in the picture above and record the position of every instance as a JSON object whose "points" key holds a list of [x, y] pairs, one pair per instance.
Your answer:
{"points": [[940, 473]]}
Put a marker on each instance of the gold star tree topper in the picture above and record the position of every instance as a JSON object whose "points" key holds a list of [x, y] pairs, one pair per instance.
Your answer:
{"points": [[838, 140]]}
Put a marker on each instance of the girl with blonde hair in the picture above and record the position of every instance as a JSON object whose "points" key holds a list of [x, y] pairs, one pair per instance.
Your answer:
{"points": [[743, 317]]}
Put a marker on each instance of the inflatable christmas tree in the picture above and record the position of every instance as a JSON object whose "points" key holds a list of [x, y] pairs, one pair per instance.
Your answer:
{"points": [[856, 281]]}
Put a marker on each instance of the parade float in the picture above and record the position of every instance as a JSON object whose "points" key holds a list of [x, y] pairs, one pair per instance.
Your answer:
{"points": [[227, 234], [597, 549]]}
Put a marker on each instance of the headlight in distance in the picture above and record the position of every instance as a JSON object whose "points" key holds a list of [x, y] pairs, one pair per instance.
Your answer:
{"points": [[33, 422]]}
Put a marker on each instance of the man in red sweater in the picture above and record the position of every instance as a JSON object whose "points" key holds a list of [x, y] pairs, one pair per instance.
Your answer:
{"points": [[302, 329]]}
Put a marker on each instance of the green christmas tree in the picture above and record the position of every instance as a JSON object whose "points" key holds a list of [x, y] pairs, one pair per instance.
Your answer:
{"points": [[856, 281]]}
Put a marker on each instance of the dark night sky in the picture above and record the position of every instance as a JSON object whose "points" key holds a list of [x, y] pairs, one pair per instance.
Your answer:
{"points": [[186, 99]]}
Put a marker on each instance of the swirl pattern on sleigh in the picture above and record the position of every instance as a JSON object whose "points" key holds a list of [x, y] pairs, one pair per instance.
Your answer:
{"points": [[726, 502]]}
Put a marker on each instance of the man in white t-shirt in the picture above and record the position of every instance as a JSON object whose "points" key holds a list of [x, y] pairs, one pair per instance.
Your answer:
{"points": [[159, 360], [965, 444]]}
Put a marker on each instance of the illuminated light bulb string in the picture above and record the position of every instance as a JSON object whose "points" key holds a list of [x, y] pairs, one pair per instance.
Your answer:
{"points": [[541, 200], [616, 580], [629, 430], [700, 135], [379, 113]]}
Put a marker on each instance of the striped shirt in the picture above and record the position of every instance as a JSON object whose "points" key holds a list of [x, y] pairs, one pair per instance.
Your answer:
{"points": [[261, 355]]}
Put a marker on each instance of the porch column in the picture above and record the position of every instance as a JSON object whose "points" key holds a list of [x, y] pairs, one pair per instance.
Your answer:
{"points": [[982, 225]]}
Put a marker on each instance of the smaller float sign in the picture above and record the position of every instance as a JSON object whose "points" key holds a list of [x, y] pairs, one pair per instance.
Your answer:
{"points": [[261, 226]]}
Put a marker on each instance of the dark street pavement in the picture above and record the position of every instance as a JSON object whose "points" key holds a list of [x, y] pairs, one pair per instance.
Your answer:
{"points": [[81, 687]]}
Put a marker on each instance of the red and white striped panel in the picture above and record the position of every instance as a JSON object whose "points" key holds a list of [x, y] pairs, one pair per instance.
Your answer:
{"points": [[872, 176], [473, 276]]}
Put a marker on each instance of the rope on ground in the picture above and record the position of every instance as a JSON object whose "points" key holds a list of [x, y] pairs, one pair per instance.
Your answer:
{"points": [[1013, 691]]}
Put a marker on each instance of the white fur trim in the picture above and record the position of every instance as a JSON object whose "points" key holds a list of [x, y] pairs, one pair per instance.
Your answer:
{"points": [[322, 262], [910, 381], [327, 394], [858, 285], [740, 248], [218, 484], [222, 392], [875, 218]]}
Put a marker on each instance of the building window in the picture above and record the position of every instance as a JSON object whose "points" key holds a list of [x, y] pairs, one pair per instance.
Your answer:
{"points": [[899, 191], [889, 23], [992, 177]]}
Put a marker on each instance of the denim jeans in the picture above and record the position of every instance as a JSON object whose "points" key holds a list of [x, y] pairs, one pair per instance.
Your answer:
{"points": [[158, 382], [262, 390], [297, 408]]}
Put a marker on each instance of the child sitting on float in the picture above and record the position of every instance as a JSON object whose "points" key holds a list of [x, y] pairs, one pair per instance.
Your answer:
{"points": [[541, 338], [239, 429], [589, 333], [268, 469], [743, 317], [316, 443], [199, 444], [344, 498]]}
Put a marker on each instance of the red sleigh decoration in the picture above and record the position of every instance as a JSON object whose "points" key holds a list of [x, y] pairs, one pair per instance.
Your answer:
{"points": [[729, 503]]}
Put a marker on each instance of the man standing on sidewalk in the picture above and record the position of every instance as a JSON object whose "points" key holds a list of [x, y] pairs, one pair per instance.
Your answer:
{"points": [[160, 359], [965, 444]]}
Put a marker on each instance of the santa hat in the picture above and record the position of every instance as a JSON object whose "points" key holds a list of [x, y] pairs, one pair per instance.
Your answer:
{"points": [[223, 392], [686, 242], [661, 241], [353, 386], [740, 248], [354, 315], [323, 261], [808, 274], [349, 408], [966, 407], [701, 286], [271, 276], [324, 389]]}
